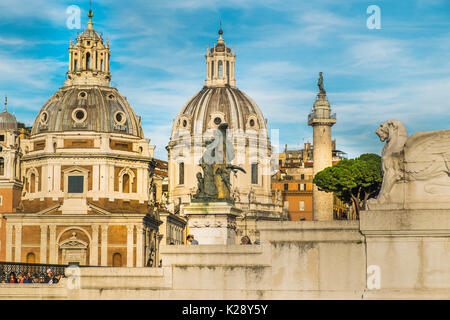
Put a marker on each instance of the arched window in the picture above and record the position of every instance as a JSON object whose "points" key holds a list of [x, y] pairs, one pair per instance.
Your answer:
{"points": [[254, 173], [220, 69], [212, 69], [126, 183], [126, 180], [228, 69], [2, 166], [31, 258], [101, 65], [117, 260], [181, 173], [75, 65], [88, 61], [32, 183]]}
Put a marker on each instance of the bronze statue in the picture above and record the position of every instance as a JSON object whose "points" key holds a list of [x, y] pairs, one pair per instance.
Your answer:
{"points": [[320, 84], [215, 162]]}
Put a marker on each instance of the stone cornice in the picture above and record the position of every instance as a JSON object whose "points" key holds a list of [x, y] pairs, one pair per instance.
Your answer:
{"points": [[90, 156]]}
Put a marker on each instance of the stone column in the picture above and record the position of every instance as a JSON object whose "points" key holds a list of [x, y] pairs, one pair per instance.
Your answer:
{"points": [[18, 244], [53, 249], [322, 120], [130, 230], [139, 246], [50, 178], [9, 229], [104, 253], [140, 185], [93, 255], [111, 176], [43, 246], [57, 178], [147, 246]]}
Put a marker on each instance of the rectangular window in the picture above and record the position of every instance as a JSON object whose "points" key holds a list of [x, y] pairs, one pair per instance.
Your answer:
{"points": [[254, 173], [181, 173], [286, 186], [302, 205], [75, 184], [2, 137], [302, 176]]}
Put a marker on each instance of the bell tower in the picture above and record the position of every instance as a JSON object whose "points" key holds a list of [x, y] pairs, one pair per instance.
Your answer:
{"points": [[321, 119], [10, 156], [220, 63], [89, 58]]}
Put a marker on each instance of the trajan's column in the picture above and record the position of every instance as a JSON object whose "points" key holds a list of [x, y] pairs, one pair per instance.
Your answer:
{"points": [[322, 120]]}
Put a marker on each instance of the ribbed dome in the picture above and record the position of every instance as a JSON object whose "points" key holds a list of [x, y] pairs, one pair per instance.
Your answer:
{"points": [[90, 34], [76, 108], [214, 105], [7, 121]]}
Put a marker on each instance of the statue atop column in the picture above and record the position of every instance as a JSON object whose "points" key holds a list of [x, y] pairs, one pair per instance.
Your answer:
{"points": [[215, 184], [320, 84]]}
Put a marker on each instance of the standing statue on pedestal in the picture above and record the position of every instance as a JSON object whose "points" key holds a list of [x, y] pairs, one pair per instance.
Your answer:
{"points": [[215, 184], [320, 84]]}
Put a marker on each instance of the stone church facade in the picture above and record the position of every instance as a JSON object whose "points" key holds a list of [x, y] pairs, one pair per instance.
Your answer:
{"points": [[77, 190], [218, 102]]}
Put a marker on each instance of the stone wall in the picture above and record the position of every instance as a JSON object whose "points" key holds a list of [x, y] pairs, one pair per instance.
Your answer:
{"points": [[296, 260]]}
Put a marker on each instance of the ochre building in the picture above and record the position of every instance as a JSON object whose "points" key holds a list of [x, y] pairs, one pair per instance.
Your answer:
{"points": [[77, 190]]}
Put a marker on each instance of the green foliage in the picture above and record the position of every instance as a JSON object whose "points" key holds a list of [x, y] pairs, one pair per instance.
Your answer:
{"points": [[352, 180]]}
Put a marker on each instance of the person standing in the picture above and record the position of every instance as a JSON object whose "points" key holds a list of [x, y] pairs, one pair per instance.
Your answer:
{"points": [[49, 277], [246, 240], [12, 278], [191, 240]]}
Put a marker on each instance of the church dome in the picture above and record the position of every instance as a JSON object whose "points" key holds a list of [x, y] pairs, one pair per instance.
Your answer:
{"points": [[78, 108], [7, 121], [219, 101], [214, 105], [87, 102]]}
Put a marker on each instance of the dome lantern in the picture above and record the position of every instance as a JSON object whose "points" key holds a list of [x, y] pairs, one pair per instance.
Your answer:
{"points": [[220, 62], [89, 59]]}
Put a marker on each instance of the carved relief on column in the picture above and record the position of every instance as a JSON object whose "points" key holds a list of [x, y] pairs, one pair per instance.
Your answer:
{"points": [[93, 256], [9, 229], [53, 248], [104, 252], [18, 248], [130, 229], [139, 246]]}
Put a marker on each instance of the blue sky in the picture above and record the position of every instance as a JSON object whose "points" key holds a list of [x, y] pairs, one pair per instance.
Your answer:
{"points": [[401, 71]]}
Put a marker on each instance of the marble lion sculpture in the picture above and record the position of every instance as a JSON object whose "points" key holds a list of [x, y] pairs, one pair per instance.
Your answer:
{"points": [[421, 163]]}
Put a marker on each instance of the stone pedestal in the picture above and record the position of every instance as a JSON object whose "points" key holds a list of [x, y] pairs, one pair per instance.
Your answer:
{"points": [[408, 248], [212, 222]]}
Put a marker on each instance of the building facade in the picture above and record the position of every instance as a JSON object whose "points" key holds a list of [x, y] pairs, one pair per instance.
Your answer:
{"points": [[83, 174], [220, 101]]}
